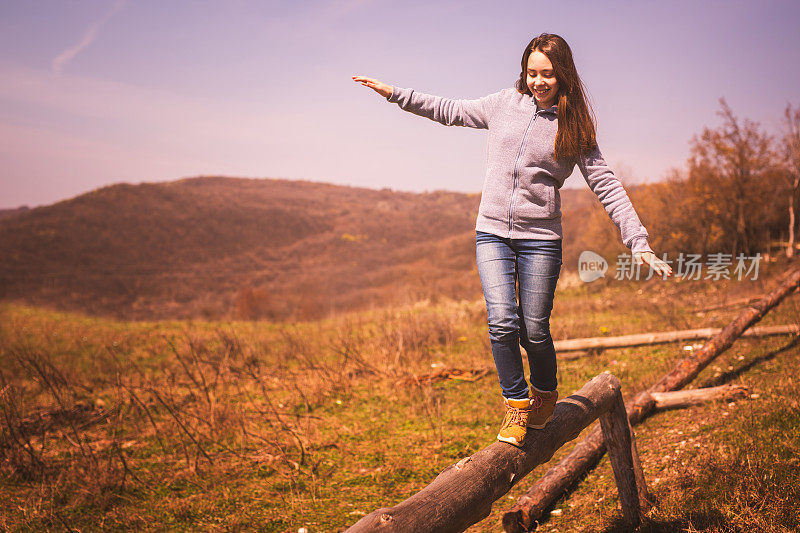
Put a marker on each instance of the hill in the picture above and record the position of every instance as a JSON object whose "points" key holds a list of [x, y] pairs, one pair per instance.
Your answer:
{"points": [[218, 247], [14, 211]]}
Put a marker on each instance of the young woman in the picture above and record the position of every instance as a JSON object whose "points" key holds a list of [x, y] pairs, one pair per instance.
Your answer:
{"points": [[538, 131]]}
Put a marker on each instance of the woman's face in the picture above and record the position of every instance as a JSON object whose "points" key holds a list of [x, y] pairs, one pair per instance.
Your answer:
{"points": [[541, 79]]}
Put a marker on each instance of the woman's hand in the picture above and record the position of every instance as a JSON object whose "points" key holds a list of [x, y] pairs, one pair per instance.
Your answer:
{"points": [[377, 86], [659, 267]]}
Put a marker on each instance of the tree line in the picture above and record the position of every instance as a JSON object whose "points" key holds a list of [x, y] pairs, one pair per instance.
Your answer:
{"points": [[738, 193]]}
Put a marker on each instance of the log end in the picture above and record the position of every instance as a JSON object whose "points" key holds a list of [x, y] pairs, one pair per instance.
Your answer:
{"points": [[514, 521]]}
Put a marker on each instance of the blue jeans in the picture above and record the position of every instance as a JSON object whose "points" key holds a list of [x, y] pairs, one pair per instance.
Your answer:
{"points": [[519, 278]]}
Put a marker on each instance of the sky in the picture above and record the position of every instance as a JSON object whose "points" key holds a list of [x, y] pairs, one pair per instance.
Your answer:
{"points": [[95, 92]]}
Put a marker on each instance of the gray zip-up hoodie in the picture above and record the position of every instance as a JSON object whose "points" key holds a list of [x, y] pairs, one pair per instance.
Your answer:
{"points": [[521, 198]]}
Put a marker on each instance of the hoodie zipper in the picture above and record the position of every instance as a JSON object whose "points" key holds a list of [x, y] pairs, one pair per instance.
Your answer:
{"points": [[514, 186]]}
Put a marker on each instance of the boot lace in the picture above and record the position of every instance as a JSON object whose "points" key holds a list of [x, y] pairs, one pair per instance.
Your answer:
{"points": [[516, 416]]}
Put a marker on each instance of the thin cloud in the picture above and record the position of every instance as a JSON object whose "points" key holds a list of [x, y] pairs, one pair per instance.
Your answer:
{"points": [[62, 59]]}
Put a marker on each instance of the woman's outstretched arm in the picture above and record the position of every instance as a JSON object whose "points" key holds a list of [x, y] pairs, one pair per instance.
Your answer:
{"points": [[609, 190], [377, 86], [451, 112]]}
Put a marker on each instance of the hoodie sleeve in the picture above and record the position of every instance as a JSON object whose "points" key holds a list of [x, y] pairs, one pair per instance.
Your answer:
{"points": [[450, 112], [615, 200]]}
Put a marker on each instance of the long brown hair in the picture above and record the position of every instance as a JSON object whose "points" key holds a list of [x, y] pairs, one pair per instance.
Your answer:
{"points": [[576, 121]]}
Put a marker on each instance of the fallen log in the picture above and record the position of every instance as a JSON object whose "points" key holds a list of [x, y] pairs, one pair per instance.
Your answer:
{"points": [[642, 339], [557, 480], [575, 348], [464, 492], [682, 398], [621, 443]]}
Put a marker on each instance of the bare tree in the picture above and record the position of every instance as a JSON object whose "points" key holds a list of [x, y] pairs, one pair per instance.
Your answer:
{"points": [[791, 153], [735, 164]]}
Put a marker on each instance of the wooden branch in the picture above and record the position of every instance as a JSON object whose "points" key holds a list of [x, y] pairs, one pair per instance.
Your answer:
{"points": [[558, 479], [667, 400], [621, 445], [641, 339], [464, 492], [645, 500], [687, 369]]}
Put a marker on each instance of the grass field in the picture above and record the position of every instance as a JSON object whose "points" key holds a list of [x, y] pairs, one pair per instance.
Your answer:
{"points": [[240, 426]]}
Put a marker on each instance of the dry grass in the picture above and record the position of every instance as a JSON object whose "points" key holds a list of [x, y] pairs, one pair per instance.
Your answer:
{"points": [[95, 413], [270, 427]]}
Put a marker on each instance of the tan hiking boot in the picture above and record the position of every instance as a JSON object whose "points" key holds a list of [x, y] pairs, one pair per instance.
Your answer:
{"points": [[543, 403], [515, 422]]}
